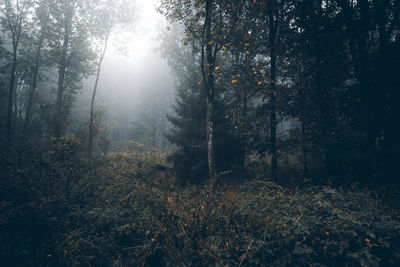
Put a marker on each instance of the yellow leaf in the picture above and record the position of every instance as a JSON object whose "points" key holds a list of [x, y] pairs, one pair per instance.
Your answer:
{"points": [[234, 81], [224, 47], [217, 68], [246, 44], [259, 83], [248, 52], [255, 72], [170, 200]]}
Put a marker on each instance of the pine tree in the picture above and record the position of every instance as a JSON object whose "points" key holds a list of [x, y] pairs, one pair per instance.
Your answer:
{"points": [[189, 131]]}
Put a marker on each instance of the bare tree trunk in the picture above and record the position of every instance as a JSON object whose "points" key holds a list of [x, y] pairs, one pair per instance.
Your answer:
{"points": [[60, 88], [11, 89], [15, 31], [303, 140], [209, 87], [243, 132], [91, 120], [210, 141], [59, 120], [272, 39], [33, 89], [301, 93]]}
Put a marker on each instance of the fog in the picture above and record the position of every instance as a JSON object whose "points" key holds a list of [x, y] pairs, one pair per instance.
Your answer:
{"points": [[220, 133], [136, 84]]}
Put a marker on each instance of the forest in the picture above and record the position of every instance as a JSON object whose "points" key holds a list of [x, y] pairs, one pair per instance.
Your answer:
{"points": [[199, 133]]}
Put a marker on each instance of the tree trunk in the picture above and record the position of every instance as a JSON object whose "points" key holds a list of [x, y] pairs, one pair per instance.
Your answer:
{"points": [[60, 89], [11, 93], [91, 120], [210, 141], [303, 139], [33, 89], [62, 66], [272, 39], [210, 56], [243, 136]]}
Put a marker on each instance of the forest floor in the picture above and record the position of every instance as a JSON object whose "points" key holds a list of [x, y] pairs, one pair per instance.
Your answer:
{"points": [[129, 212]]}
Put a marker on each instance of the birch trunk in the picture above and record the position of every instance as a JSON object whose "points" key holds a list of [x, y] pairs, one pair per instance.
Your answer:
{"points": [[91, 120]]}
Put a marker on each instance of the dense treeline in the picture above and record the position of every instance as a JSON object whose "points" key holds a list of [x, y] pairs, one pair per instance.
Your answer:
{"points": [[308, 84]]}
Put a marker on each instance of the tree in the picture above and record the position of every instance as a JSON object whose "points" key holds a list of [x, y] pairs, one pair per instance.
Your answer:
{"points": [[72, 53], [189, 129], [207, 25], [108, 14], [272, 30], [41, 28], [14, 17]]}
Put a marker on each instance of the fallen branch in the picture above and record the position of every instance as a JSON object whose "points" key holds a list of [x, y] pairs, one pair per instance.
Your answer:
{"points": [[244, 255]]}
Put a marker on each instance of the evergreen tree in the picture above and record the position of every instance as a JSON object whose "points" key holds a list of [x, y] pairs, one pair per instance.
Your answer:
{"points": [[188, 134]]}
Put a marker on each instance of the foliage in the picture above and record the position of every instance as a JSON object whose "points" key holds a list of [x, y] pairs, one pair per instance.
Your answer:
{"points": [[128, 211]]}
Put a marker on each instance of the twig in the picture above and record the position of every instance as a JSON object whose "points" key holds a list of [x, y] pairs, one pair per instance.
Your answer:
{"points": [[244, 255], [298, 218], [155, 240], [135, 247], [214, 257]]}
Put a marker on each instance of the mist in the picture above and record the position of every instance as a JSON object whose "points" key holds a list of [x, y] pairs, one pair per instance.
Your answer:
{"points": [[136, 86], [199, 133]]}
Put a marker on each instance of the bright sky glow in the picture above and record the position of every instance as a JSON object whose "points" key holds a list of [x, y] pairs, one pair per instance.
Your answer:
{"points": [[132, 67], [140, 40]]}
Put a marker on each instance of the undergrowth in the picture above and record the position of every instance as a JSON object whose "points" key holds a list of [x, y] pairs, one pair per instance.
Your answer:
{"points": [[127, 211]]}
